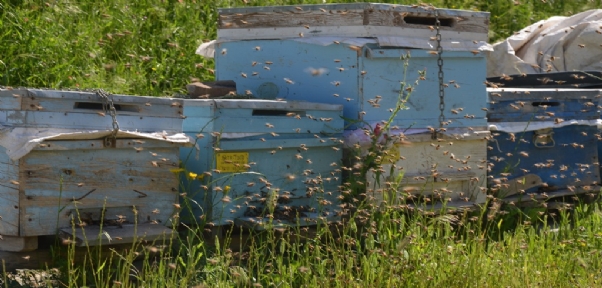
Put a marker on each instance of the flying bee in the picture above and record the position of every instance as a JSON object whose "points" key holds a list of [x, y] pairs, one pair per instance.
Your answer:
{"points": [[243, 75], [316, 71], [269, 125], [289, 81], [335, 83], [101, 114]]}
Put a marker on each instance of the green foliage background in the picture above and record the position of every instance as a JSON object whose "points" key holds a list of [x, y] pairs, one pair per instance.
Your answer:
{"points": [[147, 47]]}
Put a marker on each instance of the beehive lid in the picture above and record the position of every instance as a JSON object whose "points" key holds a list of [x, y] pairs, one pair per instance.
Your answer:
{"points": [[85, 110], [350, 20]]}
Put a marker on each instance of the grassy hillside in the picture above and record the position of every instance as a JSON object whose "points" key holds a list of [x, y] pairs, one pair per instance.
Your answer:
{"points": [[147, 47]]}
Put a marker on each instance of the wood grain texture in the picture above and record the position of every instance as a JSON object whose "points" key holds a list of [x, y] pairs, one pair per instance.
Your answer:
{"points": [[352, 14], [453, 168], [64, 181], [9, 195]]}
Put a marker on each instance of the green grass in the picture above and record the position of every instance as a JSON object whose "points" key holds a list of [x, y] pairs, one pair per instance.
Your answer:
{"points": [[147, 48]]}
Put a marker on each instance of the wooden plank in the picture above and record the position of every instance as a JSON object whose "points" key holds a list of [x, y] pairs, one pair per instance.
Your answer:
{"points": [[87, 121], [543, 93], [95, 179], [111, 235], [9, 195], [10, 100], [136, 144], [352, 14], [343, 32], [95, 106], [18, 244]]}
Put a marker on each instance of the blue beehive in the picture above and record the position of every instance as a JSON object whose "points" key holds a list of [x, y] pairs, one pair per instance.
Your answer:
{"points": [[550, 133], [260, 158], [328, 62]]}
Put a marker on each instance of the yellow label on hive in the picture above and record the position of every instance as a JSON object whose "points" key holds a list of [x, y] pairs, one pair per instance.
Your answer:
{"points": [[231, 162], [392, 155]]}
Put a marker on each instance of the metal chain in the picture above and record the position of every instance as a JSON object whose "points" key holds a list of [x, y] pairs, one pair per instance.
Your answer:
{"points": [[108, 107], [440, 64]]}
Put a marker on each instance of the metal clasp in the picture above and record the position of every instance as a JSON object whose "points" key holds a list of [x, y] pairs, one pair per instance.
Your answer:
{"points": [[543, 138]]}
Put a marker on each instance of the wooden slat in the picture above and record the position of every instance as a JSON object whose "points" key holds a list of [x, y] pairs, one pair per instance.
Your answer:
{"points": [[135, 144], [111, 235], [344, 32], [352, 14], [9, 195], [91, 121], [547, 94]]}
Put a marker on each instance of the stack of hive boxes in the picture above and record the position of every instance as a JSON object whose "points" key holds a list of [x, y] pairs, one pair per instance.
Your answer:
{"points": [[355, 55], [63, 163], [546, 138]]}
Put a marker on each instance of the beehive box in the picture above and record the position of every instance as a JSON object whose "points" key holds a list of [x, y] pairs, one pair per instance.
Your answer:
{"points": [[251, 151], [446, 171], [350, 54], [336, 74], [547, 132], [58, 167]]}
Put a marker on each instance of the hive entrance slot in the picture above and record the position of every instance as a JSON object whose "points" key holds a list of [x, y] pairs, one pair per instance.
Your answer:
{"points": [[430, 21], [99, 106], [548, 104], [268, 112]]}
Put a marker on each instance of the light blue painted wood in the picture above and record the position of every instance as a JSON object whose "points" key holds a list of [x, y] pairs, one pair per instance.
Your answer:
{"points": [[80, 110], [382, 73], [9, 196], [463, 105], [50, 180], [91, 121], [282, 160], [294, 61]]}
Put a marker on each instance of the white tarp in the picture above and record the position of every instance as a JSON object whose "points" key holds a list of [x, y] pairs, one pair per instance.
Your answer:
{"points": [[207, 49], [515, 127], [19, 141], [573, 42]]}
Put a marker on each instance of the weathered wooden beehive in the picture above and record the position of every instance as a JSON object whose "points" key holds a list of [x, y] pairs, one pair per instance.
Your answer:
{"points": [[256, 159], [350, 54], [63, 164], [447, 171], [550, 133]]}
